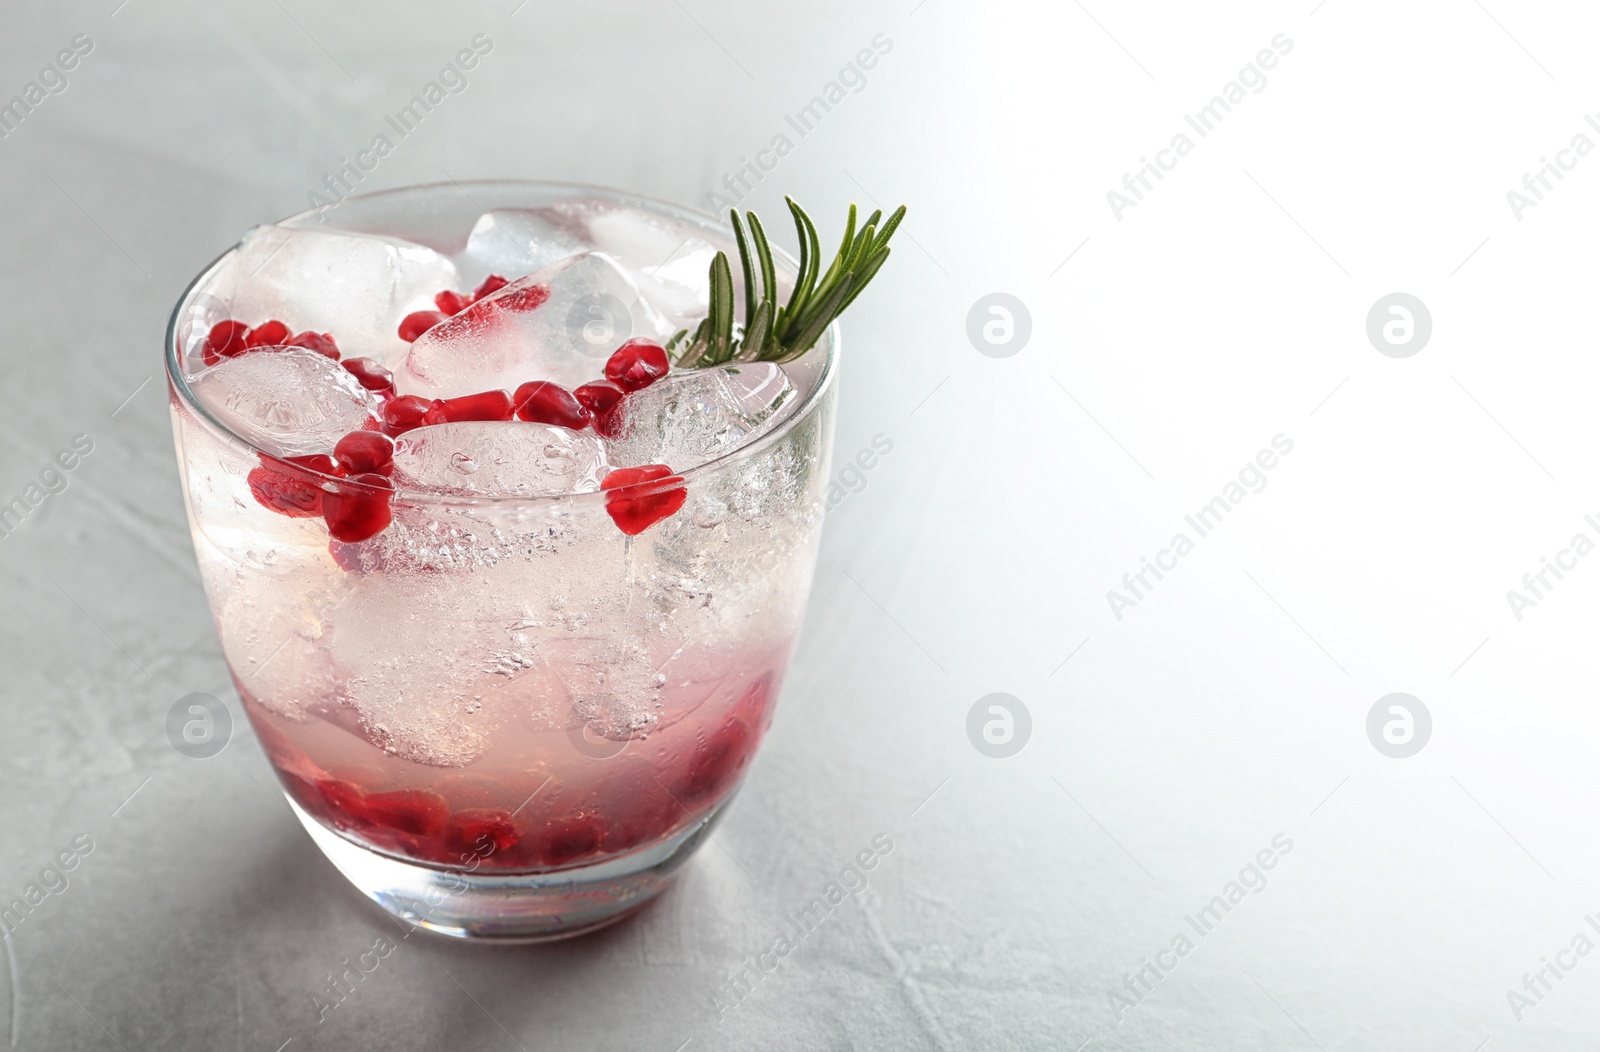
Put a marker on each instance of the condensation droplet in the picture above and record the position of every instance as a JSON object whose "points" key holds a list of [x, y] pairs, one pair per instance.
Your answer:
{"points": [[463, 463]]}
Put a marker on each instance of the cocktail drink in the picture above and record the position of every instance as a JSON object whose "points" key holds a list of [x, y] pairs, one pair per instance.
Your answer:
{"points": [[507, 549]]}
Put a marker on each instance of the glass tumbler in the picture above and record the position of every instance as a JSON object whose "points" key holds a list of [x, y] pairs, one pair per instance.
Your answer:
{"points": [[503, 718]]}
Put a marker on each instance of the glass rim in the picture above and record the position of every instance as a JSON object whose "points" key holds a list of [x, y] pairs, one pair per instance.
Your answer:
{"points": [[829, 343]]}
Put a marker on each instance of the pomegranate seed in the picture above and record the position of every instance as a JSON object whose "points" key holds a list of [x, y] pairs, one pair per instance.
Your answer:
{"points": [[346, 803], [358, 511], [485, 405], [362, 451], [637, 364], [610, 425], [300, 791], [480, 831], [370, 374], [598, 396], [717, 762], [624, 477], [546, 403], [418, 322], [406, 412], [414, 811], [491, 284], [225, 340], [643, 496], [524, 299], [650, 815], [321, 342], [566, 839], [602, 398], [268, 334], [348, 556], [451, 303], [279, 485]]}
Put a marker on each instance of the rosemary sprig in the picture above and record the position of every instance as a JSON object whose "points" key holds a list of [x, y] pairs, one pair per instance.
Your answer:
{"points": [[773, 333]]}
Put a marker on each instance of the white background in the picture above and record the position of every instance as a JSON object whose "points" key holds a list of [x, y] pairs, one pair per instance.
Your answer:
{"points": [[1167, 347]]}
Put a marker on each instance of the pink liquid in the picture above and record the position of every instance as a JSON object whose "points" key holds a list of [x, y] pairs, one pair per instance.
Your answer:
{"points": [[537, 799]]}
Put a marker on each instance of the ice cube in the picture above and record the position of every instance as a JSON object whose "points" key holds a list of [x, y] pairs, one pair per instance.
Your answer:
{"points": [[592, 308], [271, 621], [355, 286], [610, 685], [513, 242], [671, 264], [412, 650], [287, 401], [491, 458], [698, 415]]}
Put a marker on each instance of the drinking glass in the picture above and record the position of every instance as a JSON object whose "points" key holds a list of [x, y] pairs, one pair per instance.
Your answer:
{"points": [[503, 718]]}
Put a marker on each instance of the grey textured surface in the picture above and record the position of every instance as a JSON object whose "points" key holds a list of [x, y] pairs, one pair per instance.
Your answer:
{"points": [[1171, 340]]}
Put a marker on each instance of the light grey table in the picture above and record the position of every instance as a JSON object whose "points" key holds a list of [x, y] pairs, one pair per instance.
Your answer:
{"points": [[1197, 278]]}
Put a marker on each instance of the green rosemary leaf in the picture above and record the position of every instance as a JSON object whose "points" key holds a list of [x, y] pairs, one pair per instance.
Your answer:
{"points": [[849, 230], [819, 319], [863, 275], [771, 332], [769, 272], [827, 280], [890, 226], [843, 254], [862, 246], [694, 354], [802, 284], [756, 335], [745, 268], [816, 249], [863, 239], [769, 276], [721, 334]]}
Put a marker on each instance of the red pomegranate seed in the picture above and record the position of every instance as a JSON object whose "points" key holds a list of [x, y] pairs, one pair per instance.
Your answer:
{"points": [[418, 322], [624, 477], [491, 284], [279, 485], [321, 342], [718, 761], [637, 364], [451, 303], [370, 374], [484, 832], [602, 398], [362, 451], [566, 839], [414, 811], [225, 340], [349, 557], [598, 396], [346, 804], [406, 412], [359, 510], [650, 815], [643, 496], [268, 334], [300, 791], [523, 299], [546, 403], [485, 405]]}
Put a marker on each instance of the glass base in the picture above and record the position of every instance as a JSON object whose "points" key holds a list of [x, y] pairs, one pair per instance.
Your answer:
{"points": [[511, 908]]}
